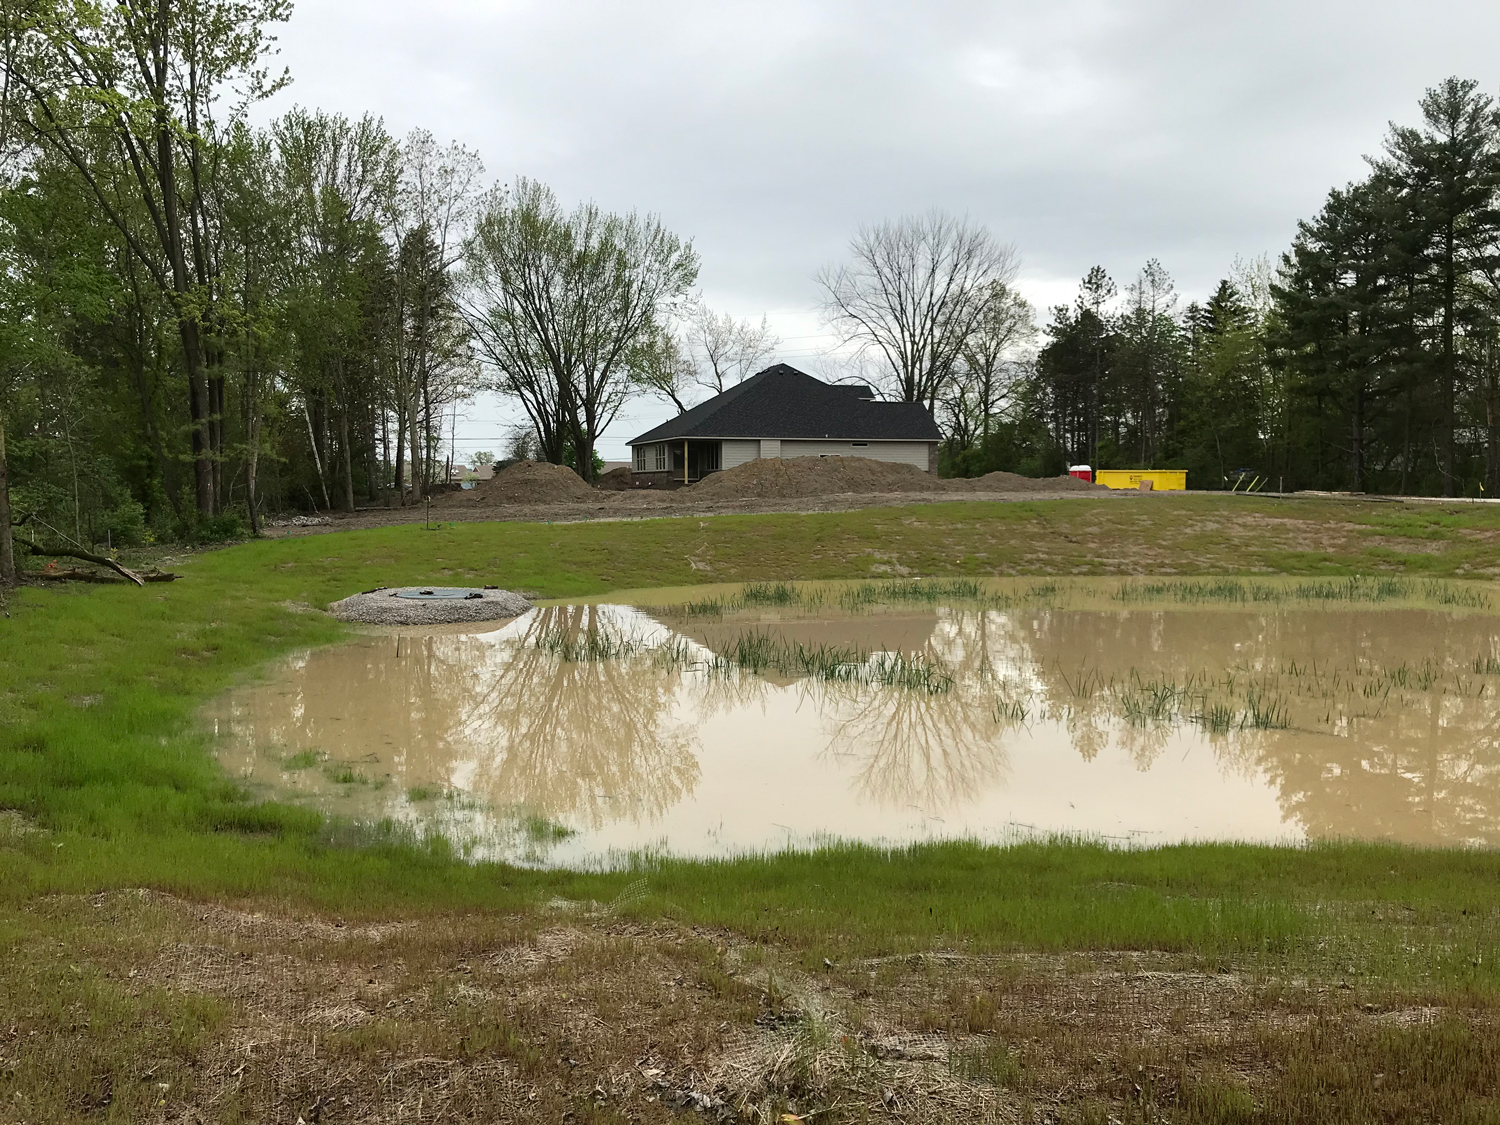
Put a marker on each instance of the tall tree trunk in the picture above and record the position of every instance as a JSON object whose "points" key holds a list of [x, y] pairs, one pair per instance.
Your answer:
{"points": [[252, 460], [164, 466], [1491, 422], [400, 463], [216, 431], [414, 437], [7, 545], [317, 457], [1357, 439], [428, 445], [348, 458], [1450, 374], [203, 477]]}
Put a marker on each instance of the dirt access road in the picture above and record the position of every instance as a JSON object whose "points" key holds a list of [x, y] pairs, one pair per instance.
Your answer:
{"points": [[534, 492]]}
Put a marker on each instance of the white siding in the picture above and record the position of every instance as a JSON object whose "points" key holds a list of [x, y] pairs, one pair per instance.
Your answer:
{"points": [[734, 453], [770, 447], [906, 452]]}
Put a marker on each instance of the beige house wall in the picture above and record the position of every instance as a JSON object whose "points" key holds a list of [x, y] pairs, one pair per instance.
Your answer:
{"points": [[915, 453]]}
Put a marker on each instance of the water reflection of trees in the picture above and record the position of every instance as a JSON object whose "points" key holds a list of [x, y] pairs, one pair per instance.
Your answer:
{"points": [[588, 739], [490, 714], [932, 750], [1419, 766], [600, 740]]}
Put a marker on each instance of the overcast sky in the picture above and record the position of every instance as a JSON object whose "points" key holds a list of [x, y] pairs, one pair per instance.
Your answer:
{"points": [[1089, 132]]}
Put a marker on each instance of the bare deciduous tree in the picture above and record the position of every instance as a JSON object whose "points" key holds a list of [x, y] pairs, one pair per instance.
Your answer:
{"points": [[435, 205], [714, 351], [987, 373], [568, 309], [725, 351], [915, 292]]}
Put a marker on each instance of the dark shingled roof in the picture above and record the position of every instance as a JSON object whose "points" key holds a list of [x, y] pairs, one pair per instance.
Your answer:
{"points": [[782, 402]]}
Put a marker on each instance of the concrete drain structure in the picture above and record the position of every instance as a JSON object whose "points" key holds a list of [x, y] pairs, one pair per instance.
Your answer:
{"points": [[430, 605]]}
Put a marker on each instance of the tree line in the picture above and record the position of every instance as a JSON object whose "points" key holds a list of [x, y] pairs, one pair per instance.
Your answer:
{"points": [[1366, 359], [204, 320]]}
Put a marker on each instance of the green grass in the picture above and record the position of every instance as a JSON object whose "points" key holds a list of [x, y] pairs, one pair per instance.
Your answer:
{"points": [[129, 795]]}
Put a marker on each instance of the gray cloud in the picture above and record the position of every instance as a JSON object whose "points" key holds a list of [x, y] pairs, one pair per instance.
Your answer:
{"points": [[1084, 131]]}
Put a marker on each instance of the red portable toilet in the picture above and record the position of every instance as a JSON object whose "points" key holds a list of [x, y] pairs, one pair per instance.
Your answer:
{"points": [[1082, 472]]}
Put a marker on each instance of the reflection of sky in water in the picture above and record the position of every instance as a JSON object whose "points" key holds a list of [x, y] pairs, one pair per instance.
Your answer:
{"points": [[640, 751]]}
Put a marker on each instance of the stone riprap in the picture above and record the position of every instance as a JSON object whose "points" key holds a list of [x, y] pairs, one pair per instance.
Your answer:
{"points": [[387, 607]]}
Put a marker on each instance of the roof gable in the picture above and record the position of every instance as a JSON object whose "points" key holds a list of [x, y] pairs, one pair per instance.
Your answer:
{"points": [[784, 403]]}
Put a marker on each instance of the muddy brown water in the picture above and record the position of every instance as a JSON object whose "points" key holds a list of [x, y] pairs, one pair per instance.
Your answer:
{"points": [[1142, 726]]}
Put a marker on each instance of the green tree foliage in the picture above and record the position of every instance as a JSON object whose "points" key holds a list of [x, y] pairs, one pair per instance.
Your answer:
{"points": [[1367, 360], [569, 310], [203, 322]]}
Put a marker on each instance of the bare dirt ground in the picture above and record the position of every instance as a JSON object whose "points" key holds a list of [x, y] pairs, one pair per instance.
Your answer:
{"points": [[533, 492], [646, 505], [576, 1014]]}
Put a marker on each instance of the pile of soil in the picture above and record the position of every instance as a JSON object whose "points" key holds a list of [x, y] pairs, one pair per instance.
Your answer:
{"points": [[784, 478], [1012, 482], [616, 480], [791, 477], [527, 482]]}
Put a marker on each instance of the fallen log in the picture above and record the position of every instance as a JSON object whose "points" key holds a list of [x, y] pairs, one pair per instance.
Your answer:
{"points": [[77, 575], [83, 556]]}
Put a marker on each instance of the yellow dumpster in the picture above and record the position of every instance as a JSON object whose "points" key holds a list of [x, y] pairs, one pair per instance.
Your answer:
{"points": [[1162, 480]]}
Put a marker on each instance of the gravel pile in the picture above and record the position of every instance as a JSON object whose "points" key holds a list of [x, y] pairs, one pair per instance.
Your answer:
{"points": [[383, 607]]}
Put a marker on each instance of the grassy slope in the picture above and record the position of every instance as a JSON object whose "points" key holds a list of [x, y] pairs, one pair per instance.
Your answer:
{"points": [[98, 687]]}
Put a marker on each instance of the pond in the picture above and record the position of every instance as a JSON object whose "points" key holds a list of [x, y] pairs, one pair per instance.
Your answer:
{"points": [[718, 721]]}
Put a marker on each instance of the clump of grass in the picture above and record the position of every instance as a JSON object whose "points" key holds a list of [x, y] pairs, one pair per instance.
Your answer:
{"points": [[1011, 711], [758, 651], [1151, 701], [1354, 590], [420, 793], [913, 673], [1226, 590], [771, 593], [303, 760], [1216, 718], [1462, 597], [539, 830], [1262, 713], [591, 645], [344, 774], [985, 1060], [930, 591]]}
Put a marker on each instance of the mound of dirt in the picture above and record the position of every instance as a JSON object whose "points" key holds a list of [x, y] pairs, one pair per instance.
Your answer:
{"points": [[1013, 482], [527, 482], [783, 478], [616, 480]]}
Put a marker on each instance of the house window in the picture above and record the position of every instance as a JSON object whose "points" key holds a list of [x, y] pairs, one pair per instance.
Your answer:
{"points": [[661, 458], [640, 458]]}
